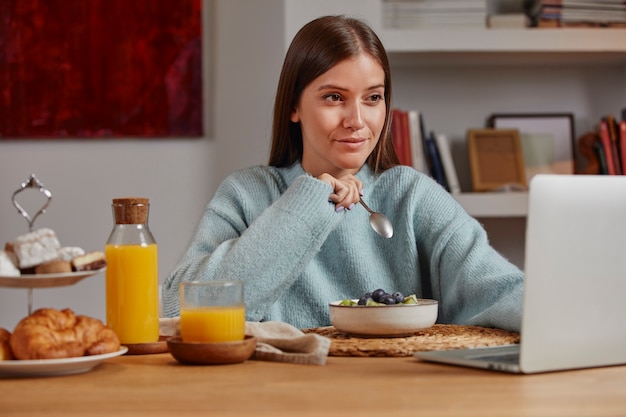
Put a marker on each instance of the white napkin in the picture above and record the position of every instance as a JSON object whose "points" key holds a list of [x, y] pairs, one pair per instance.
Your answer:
{"points": [[276, 341]]}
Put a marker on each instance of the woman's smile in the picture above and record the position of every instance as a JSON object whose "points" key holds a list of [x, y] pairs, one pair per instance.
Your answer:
{"points": [[353, 143]]}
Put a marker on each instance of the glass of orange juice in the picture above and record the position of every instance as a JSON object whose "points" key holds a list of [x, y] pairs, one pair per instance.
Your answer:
{"points": [[212, 311]]}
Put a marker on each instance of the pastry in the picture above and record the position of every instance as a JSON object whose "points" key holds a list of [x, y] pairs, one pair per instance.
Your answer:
{"points": [[67, 253], [48, 334], [5, 345], [90, 261], [35, 248], [8, 264], [56, 266]]}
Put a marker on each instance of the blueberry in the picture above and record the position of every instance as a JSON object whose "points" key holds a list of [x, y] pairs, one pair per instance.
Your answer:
{"points": [[363, 300], [387, 299], [377, 294], [398, 296]]}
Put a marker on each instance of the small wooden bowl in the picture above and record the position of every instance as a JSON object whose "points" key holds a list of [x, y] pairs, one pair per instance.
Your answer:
{"points": [[198, 353], [148, 348]]}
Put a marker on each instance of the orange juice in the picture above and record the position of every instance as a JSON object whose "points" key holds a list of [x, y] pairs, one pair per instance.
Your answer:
{"points": [[213, 324], [132, 292]]}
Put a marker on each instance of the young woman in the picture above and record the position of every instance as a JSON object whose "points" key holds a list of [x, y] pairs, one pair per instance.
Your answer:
{"points": [[292, 231]]}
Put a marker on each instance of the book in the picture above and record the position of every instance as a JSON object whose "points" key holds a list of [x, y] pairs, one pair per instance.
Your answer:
{"points": [[400, 137], [433, 14], [437, 167], [599, 150], [607, 147], [622, 141], [612, 127], [436, 22], [406, 139], [589, 4], [445, 152], [427, 157], [557, 13], [417, 141], [435, 4]]}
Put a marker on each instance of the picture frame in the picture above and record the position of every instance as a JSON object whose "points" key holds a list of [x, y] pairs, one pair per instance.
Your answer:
{"points": [[103, 69], [496, 160], [548, 140]]}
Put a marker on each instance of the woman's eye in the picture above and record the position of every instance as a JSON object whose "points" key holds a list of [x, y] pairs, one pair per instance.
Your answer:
{"points": [[332, 97], [375, 98]]}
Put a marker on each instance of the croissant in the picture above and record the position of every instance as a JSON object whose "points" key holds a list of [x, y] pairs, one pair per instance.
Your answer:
{"points": [[50, 334], [5, 347]]}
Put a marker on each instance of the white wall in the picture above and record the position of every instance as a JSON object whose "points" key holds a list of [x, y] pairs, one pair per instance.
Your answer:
{"points": [[244, 48], [244, 45]]}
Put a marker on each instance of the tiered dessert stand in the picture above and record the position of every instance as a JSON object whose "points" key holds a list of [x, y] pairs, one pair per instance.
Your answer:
{"points": [[31, 281]]}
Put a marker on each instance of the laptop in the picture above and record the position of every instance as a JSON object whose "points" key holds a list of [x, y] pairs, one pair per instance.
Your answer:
{"points": [[574, 304]]}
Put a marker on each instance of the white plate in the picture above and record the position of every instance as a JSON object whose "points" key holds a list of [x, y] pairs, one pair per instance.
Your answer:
{"points": [[47, 280], [54, 367]]}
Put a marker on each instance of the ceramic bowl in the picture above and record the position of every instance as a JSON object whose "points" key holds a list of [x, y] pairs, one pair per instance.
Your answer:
{"points": [[384, 321], [197, 353]]}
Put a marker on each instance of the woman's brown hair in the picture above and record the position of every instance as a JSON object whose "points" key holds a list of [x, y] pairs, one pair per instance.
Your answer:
{"points": [[316, 48]]}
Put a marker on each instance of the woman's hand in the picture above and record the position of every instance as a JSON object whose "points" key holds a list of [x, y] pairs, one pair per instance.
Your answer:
{"points": [[346, 190]]}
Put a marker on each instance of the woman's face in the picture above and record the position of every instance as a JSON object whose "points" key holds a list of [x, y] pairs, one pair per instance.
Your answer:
{"points": [[341, 114]]}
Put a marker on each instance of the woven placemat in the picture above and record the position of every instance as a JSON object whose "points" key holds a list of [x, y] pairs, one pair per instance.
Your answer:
{"points": [[437, 337]]}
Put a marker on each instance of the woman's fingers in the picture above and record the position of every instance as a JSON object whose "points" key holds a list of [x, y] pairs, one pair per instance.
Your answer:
{"points": [[346, 190]]}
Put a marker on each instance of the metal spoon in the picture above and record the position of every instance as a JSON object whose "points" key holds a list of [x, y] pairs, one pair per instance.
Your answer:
{"points": [[379, 222]]}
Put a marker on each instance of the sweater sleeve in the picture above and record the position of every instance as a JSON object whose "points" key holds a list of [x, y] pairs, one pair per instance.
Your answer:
{"points": [[474, 283], [252, 232], [478, 285]]}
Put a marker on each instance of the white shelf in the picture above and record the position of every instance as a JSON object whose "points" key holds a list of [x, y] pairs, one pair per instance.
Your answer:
{"points": [[563, 40], [505, 204], [508, 47]]}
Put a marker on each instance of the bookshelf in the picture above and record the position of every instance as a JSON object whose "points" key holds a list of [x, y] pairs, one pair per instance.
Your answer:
{"points": [[458, 77], [504, 44], [513, 204]]}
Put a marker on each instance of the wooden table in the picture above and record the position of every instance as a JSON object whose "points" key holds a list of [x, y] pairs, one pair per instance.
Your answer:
{"points": [[156, 385]]}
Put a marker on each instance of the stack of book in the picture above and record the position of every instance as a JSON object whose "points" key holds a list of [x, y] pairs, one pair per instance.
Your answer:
{"points": [[426, 152], [605, 148], [434, 14], [594, 13], [508, 21]]}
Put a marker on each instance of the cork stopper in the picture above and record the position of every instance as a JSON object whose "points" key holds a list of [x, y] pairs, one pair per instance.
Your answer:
{"points": [[131, 210]]}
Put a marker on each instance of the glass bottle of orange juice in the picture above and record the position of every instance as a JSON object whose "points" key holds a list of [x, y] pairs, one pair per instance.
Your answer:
{"points": [[132, 279]]}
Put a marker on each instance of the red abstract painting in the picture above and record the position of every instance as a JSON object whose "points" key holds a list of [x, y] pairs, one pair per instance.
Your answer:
{"points": [[100, 68]]}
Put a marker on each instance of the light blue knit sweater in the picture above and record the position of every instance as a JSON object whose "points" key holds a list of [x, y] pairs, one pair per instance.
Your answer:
{"points": [[274, 229]]}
